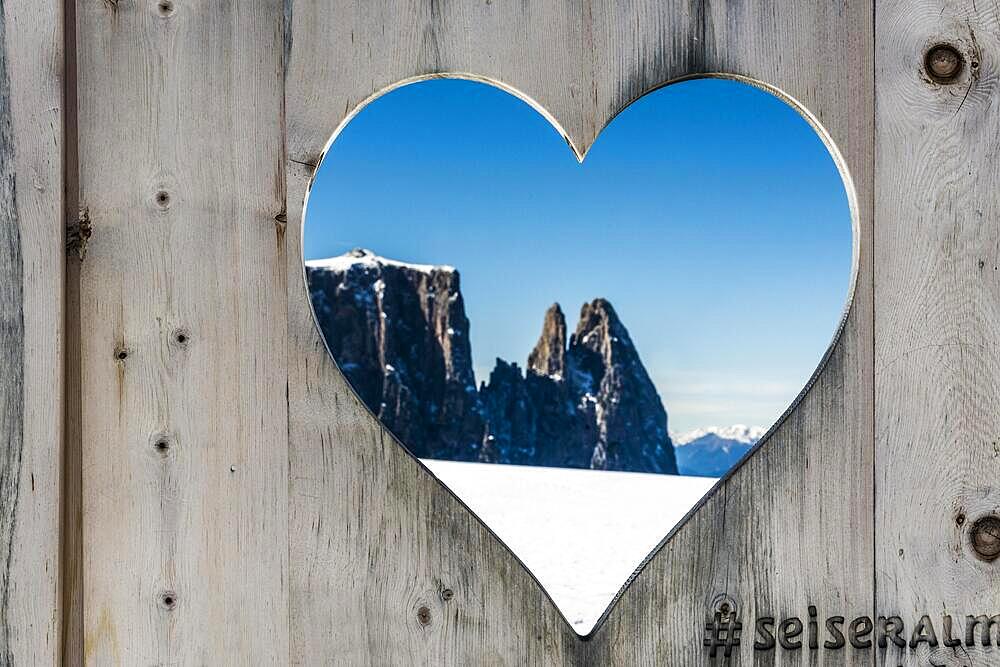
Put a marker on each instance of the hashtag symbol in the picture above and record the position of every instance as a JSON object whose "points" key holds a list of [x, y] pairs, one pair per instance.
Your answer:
{"points": [[723, 632]]}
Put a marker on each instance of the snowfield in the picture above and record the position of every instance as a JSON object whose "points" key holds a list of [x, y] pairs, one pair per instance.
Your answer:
{"points": [[580, 532]]}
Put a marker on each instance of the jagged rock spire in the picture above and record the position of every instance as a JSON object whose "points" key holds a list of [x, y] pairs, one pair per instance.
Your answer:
{"points": [[629, 417], [549, 356]]}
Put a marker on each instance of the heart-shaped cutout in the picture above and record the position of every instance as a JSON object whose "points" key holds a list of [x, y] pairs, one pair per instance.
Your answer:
{"points": [[708, 238]]}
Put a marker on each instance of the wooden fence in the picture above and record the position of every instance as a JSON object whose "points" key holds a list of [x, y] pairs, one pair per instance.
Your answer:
{"points": [[186, 477]]}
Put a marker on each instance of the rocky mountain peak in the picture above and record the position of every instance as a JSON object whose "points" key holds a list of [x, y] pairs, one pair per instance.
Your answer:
{"points": [[600, 329], [549, 356], [711, 451], [400, 334], [629, 416]]}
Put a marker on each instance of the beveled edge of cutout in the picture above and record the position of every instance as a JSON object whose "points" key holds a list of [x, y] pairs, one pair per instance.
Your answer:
{"points": [[581, 155]]}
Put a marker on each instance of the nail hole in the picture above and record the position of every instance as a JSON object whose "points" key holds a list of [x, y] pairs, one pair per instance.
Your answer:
{"points": [[181, 337], [162, 198], [960, 519], [424, 616], [447, 594], [165, 7], [168, 600], [162, 445], [943, 63], [121, 353], [985, 538]]}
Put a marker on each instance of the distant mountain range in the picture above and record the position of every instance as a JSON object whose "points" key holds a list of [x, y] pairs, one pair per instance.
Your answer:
{"points": [[710, 452], [400, 334]]}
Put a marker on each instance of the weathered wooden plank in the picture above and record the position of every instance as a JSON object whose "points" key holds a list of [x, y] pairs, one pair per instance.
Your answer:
{"points": [[542, 49], [184, 421], [77, 237], [373, 538], [11, 357], [31, 275], [937, 320], [792, 526]]}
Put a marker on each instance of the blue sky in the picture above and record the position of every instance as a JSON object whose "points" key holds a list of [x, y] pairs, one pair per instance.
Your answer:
{"points": [[709, 213]]}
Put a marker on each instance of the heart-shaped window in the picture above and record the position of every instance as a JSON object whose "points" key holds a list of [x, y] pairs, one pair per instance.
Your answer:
{"points": [[557, 340]]}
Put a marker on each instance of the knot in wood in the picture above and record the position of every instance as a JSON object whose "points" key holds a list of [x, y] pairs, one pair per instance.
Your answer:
{"points": [[726, 605], [424, 616], [943, 63], [162, 444], [985, 537]]}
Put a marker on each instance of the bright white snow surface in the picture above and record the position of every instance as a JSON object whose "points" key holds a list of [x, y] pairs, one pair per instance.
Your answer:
{"points": [[580, 532]]}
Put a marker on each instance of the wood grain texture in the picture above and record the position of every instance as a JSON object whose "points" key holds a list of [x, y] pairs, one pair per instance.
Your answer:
{"points": [[182, 299], [374, 537], [11, 357], [77, 228], [31, 274], [937, 325]]}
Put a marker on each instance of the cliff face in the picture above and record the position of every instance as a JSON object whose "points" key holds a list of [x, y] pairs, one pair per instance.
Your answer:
{"points": [[400, 334]]}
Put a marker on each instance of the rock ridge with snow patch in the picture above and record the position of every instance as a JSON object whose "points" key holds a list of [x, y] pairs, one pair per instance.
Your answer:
{"points": [[400, 334]]}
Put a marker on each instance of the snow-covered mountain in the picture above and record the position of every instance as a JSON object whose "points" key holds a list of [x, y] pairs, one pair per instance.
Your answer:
{"points": [[711, 451]]}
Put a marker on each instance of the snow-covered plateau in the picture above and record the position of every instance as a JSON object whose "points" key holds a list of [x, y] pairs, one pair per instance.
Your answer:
{"points": [[580, 532]]}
